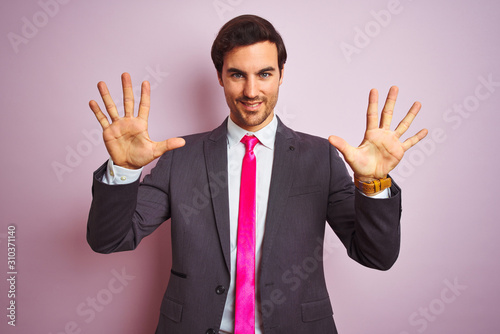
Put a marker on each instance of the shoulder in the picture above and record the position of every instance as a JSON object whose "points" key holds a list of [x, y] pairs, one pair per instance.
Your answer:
{"points": [[309, 138], [195, 143], [302, 138], [196, 138], [219, 133]]}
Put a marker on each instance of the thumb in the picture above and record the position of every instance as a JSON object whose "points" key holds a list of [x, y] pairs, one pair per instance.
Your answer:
{"points": [[168, 145], [339, 143]]}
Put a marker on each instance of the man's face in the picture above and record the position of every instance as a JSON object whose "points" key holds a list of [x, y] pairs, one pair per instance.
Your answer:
{"points": [[251, 79]]}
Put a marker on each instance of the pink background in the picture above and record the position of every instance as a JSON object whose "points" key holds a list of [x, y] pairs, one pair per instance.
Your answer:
{"points": [[437, 52]]}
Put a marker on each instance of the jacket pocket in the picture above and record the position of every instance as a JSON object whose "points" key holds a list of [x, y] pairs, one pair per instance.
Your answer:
{"points": [[316, 310], [171, 309], [178, 274], [304, 190]]}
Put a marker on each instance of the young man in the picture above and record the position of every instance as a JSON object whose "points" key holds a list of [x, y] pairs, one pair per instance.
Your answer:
{"points": [[245, 216]]}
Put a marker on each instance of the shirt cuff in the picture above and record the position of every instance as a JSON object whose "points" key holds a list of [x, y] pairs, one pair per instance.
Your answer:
{"points": [[118, 175], [386, 193]]}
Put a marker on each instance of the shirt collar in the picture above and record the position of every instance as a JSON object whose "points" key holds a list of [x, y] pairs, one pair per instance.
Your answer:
{"points": [[266, 135]]}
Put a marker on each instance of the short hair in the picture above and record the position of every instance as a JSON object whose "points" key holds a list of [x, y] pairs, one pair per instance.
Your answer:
{"points": [[242, 31]]}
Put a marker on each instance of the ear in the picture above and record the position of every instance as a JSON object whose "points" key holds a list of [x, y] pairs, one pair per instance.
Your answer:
{"points": [[282, 73], [219, 77]]}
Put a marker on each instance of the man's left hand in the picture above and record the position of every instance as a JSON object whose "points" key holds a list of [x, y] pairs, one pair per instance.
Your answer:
{"points": [[381, 150]]}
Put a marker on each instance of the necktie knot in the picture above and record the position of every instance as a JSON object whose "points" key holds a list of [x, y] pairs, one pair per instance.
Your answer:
{"points": [[249, 142]]}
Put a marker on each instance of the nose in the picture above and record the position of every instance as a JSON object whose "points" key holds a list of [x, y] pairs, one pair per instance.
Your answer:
{"points": [[251, 88]]}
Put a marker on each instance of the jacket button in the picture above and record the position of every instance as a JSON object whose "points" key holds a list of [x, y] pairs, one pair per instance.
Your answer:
{"points": [[211, 331], [220, 290]]}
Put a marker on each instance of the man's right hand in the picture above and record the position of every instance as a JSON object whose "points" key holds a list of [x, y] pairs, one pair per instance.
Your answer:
{"points": [[126, 138]]}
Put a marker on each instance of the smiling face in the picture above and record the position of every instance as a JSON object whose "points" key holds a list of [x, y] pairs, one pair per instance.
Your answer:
{"points": [[251, 78]]}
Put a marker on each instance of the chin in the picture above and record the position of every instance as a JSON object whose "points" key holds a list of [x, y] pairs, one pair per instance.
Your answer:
{"points": [[247, 119], [254, 120]]}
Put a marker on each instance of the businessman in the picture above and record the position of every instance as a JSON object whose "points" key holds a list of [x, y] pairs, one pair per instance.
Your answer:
{"points": [[249, 200]]}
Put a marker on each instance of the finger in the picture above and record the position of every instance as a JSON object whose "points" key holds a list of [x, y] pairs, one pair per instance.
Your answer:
{"points": [[128, 95], [144, 104], [341, 145], [103, 120], [408, 143], [405, 123], [168, 145], [108, 101], [372, 112], [387, 112]]}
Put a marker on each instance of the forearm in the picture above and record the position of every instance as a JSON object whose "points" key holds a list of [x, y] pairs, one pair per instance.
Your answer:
{"points": [[376, 239], [110, 222], [122, 215], [368, 227]]}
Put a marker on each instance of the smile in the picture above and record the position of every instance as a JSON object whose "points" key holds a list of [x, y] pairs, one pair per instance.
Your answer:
{"points": [[251, 106]]}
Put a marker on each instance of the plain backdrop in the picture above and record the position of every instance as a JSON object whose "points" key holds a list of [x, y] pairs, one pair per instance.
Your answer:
{"points": [[442, 53]]}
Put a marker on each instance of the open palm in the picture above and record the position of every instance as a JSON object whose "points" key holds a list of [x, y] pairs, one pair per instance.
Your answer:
{"points": [[126, 138], [381, 150]]}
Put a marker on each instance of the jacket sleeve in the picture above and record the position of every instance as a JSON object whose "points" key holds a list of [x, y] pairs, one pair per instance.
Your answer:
{"points": [[121, 215], [368, 227]]}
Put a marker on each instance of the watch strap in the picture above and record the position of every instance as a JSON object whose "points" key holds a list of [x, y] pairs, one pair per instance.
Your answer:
{"points": [[373, 186]]}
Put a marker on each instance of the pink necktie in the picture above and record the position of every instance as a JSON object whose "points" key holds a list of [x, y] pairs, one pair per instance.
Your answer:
{"points": [[244, 322]]}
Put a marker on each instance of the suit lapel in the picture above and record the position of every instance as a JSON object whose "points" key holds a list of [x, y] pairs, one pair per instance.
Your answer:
{"points": [[285, 157], [215, 150]]}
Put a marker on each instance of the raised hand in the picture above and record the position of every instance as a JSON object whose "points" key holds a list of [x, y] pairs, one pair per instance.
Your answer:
{"points": [[126, 138], [381, 150]]}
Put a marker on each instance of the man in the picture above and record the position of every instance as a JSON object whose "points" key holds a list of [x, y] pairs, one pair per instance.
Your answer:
{"points": [[228, 199]]}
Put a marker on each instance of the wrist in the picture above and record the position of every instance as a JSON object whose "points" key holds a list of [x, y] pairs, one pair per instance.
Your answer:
{"points": [[124, 165], [364, 178]]}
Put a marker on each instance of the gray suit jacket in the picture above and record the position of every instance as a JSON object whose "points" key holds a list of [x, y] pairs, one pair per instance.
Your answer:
{"points": [[309, 185]]}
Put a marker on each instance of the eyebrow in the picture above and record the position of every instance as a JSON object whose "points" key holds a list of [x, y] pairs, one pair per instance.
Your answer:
{"points": [[265, 69]]}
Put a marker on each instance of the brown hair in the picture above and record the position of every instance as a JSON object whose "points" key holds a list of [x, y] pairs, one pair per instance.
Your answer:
{"points": [[246, 30]]}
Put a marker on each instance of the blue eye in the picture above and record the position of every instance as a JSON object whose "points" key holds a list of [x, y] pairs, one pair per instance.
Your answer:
{"points": [[237, 75], [265, 75]]}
